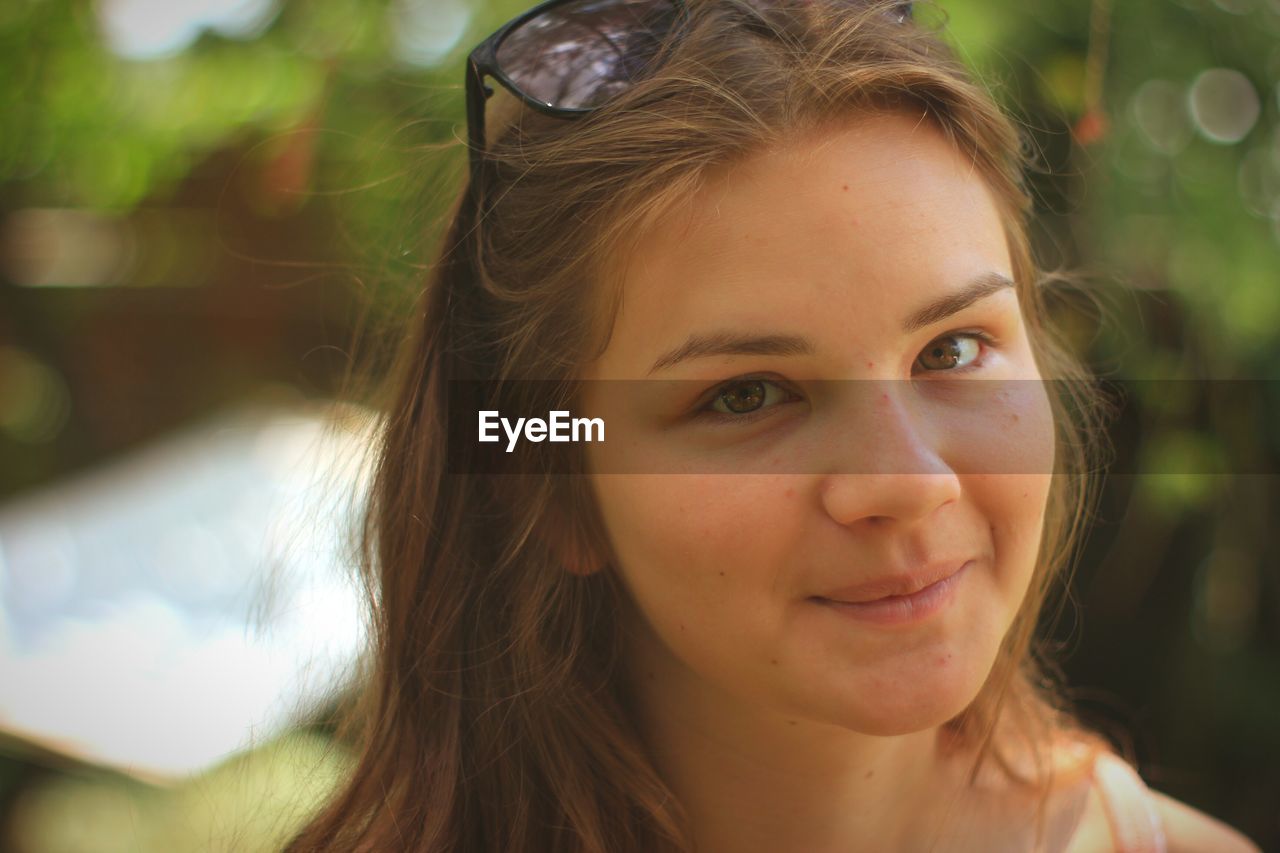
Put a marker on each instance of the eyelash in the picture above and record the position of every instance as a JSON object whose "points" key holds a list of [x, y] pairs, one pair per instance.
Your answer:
{"points": [[705, 412]]}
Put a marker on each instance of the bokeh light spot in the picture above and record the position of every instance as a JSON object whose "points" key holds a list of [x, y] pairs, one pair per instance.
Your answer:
{"points": [[34, 400], [1258, 180], [153, 29], [1224, 105], [425, 31]]}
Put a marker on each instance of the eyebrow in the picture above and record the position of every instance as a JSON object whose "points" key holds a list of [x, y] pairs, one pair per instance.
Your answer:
{"points": [[953, 303], [739, 343]]}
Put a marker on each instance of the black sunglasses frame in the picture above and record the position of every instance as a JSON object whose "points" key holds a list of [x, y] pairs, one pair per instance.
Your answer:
{"points": [[483, 62]]}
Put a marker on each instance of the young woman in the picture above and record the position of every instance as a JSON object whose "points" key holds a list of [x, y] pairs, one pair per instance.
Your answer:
{"points": [[778, 250]]}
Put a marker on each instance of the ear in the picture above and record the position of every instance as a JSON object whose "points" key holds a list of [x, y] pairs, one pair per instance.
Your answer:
{"points": [[571, 544]]}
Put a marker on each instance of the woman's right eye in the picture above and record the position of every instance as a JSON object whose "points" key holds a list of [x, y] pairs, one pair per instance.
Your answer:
{"points": [[738, 399]]}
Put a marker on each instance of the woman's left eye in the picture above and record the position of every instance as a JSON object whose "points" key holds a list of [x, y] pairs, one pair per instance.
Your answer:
{"points": [[740, 399], [953, 352]]}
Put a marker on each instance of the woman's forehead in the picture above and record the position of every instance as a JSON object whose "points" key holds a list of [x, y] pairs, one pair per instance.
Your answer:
{"points": [[855, 180], [858, 221]]}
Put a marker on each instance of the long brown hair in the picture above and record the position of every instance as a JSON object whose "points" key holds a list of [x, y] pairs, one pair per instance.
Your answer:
{"points": [[491, 716]]}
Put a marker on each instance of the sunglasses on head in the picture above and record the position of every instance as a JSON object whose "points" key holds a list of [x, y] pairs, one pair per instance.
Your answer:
{"points": [[568, 57]]}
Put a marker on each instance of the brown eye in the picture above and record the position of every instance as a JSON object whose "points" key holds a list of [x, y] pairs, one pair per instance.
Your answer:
{"points": [[950, 352], [741, 397]]}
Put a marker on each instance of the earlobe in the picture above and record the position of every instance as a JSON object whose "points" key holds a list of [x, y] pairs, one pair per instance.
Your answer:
{"points": [[571, 545], [578, 555], [581, 562]]}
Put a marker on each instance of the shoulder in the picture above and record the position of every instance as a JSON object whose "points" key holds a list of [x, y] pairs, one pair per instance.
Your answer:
{"points": [[1122, 814], [1188, 830]]}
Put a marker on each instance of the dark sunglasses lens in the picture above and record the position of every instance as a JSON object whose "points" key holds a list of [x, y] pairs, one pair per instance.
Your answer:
{"points": [[580, 54]]}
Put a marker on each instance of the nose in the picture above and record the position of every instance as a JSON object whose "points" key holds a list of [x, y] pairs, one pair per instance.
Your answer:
{"points": [[890, 465]]}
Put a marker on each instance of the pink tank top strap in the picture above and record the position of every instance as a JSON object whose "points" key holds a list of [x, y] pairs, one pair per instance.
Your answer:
{"points": [[1131, 809]]}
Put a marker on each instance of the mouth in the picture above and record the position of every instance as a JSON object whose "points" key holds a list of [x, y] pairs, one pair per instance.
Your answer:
{"points": [[901, 608]]}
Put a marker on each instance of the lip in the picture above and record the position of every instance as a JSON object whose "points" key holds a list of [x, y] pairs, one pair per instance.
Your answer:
{"points": [[918, 596], [901, 584]]}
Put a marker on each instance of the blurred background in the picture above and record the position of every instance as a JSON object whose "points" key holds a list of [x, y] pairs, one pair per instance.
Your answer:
{"points": [[212, 213]]}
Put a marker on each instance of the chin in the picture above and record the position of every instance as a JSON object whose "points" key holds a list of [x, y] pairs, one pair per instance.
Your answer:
{"points": [[901, 705]]}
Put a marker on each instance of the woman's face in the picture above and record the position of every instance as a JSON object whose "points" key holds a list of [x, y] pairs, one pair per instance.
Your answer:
{"points": [[761, 524]]}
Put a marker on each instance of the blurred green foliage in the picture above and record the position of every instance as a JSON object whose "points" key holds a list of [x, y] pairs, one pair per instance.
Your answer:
{"points": [[302, 160], [252, 803]]}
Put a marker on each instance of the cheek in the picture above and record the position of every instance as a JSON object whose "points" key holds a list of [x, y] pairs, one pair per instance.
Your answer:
{"points": [[700, 548], [1013, 488], [996, 427], [1013, 506], [1000, 439]]}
